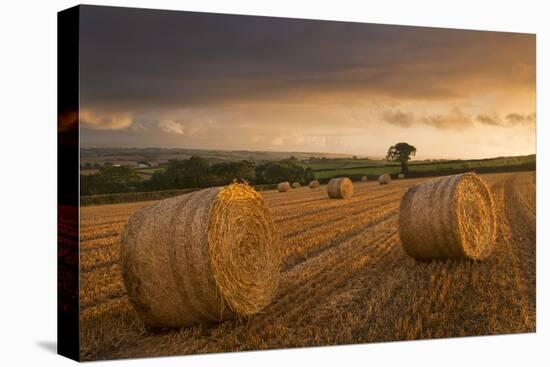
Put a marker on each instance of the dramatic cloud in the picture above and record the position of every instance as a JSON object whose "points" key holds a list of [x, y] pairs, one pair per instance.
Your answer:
{"points": [[519, 118], [511, 119], [196, 59], [398, 118], [455, 119], [166, 78], [105, 121], [493, 119], [169, 126]]}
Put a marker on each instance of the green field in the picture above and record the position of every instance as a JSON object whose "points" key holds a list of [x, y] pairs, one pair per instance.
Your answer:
{"points": [[130, 156], [344, 163], [324, 165], [328, 168]]}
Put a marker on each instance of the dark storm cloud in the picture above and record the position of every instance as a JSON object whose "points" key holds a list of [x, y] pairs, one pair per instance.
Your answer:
{"points": [[134, 59], [454, 119]]}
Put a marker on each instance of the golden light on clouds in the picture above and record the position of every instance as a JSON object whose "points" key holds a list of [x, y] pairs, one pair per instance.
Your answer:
{"points": [[252, 83], [101, 120]]}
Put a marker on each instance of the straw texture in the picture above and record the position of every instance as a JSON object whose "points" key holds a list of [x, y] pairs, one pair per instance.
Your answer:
{"points": [[314, 184], [283, 187], [448, 218], [340, 188], [208, 256], [384, 179]]}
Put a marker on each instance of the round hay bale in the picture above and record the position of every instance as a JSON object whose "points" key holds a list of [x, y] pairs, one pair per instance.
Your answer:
{"points": [[384, 179], [401, 176], [283, 187], [364, 178], [314, 184], [448, 218], [295, 185], [340, 188], [210, 255]]}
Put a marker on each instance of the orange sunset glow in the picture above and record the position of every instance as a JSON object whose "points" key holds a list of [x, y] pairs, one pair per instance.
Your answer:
{"points": [[255, 83]]}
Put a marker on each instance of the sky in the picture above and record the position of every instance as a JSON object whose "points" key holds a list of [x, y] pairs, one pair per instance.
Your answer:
{"points": [[174, 79]]}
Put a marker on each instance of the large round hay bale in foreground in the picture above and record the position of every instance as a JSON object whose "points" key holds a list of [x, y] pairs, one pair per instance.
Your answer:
{"points": [[401, 176], [364, 178], [314, 184], [384, 179], [448, 218], [340, 188], [295, 185], [207, 256], [283, 187]]}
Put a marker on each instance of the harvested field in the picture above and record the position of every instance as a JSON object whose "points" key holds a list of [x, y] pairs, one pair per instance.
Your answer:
{"points": [[345, 278]]}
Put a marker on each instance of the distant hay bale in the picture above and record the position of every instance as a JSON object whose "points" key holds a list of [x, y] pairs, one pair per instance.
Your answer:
{"points": [[448, 218], [364, 178], [211, 255], [384, 179], [283, 187], [314, 184], [401, 176], [295, 185], [340, 188]]}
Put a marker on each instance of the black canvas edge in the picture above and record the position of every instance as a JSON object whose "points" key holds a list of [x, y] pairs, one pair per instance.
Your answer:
{"points": [[68, 336]]}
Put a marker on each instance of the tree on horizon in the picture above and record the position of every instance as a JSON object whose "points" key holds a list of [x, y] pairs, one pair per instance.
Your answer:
{"points": [[401, 152]]}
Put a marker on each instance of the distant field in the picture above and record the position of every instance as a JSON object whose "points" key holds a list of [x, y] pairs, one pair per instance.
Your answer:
{"points": [[324, 169], [330, 168], [129, 156], [324, 164], [147, 173]]}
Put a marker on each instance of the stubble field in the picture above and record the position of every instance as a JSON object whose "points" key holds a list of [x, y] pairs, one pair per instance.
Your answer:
{"points": [[345, 278]]}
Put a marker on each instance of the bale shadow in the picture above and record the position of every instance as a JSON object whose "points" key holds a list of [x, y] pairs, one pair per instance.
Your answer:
{"points": [[50, 346]]}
